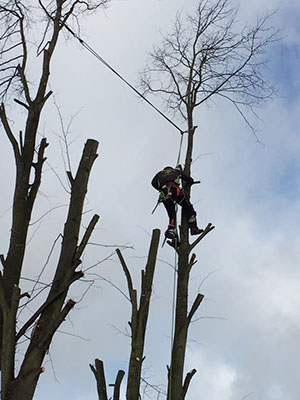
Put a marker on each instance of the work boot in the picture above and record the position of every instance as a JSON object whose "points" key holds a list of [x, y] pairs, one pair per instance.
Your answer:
{"points": [[195, 230], [193, 226], [170, 232]]}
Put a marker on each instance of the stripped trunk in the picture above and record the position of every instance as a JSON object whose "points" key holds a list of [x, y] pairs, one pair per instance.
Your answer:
{"points": [[138, 325], [54, 310], [177, 384]]}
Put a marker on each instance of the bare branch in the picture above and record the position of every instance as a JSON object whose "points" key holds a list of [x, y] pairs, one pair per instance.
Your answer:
{"points": [[86, 236], [117, 385], [195, 307], [208, 229], [187, 381], [9, 133], [192, 262], [21, 104], [206, 55], [98, 371], [131, 290], [38, 172]]}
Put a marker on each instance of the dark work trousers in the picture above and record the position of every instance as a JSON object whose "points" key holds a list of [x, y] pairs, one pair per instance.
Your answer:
{"points": [[177, 196]]}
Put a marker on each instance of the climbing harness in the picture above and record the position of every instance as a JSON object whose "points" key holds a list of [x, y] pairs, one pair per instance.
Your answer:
{"points": [[166, 192], [161, 196]]}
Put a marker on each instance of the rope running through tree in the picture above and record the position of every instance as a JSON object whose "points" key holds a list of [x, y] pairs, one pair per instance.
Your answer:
{"points": [[101, 59]]}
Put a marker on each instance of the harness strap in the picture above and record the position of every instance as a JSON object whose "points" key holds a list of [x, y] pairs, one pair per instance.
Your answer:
{"points": [[170, 185]]}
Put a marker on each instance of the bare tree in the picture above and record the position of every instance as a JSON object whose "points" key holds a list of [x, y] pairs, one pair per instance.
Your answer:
{"points": [[18, 18], [138, 325], [208, 55]]}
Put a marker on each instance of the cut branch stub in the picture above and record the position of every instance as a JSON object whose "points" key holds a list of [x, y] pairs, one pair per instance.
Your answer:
{"points": [[208, 229], [131, 290], [117, 385], [195, 307], [98, 371], [187, 381], [86, 236]]}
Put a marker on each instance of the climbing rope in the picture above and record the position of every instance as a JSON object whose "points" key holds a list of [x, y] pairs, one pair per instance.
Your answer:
{"points": [[101, 59], [106, 64], [173, 303], [174, 289]]}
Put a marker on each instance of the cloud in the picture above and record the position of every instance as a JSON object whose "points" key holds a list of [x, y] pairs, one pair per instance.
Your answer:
{"points": [[249, 191], [214, 379]]}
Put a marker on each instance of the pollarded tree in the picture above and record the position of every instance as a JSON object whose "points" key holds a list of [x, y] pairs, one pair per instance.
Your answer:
{"points": [[140, 306], [19, 19], [206, 56]]}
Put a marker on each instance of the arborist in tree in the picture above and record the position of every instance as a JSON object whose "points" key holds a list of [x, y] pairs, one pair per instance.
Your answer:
{"points": [[167, 182]]}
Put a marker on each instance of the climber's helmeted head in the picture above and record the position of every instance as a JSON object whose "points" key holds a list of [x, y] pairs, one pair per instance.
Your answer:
{"points": [[168, 168]]}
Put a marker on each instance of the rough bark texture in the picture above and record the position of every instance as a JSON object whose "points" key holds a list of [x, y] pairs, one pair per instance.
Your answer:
{"points": [[54, 310], [99, 373], [29, 155], [138, 324], [178, 385]]}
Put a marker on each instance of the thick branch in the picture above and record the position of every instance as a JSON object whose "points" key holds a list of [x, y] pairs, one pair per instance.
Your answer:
{"points": [[131, 290], [38, 172], [192, 262], [9, 133], [208, 228], [149, 270], [21, 104], [63, 314], [43, 307], [98, 371], [54, 313], [187, 381], [24, 83], [86, 236], [195, 307], [139, 322], [117, 385]]}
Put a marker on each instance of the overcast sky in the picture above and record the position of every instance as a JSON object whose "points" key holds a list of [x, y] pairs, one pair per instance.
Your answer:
{"points": [[249, 191]]}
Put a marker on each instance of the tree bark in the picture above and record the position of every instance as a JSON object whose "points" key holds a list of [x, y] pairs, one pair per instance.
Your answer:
{"points": [[54, 312], [138, 325], [177, 387], [99, 373], [139, 317]]}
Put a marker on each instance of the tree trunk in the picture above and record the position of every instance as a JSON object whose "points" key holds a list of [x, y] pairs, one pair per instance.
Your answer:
{"points": [[53, 312], [176, 370]]}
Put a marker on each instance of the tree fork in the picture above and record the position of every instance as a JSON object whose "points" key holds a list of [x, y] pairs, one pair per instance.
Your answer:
{"points": [[54, 312], [98, 371], [139, 317]]}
